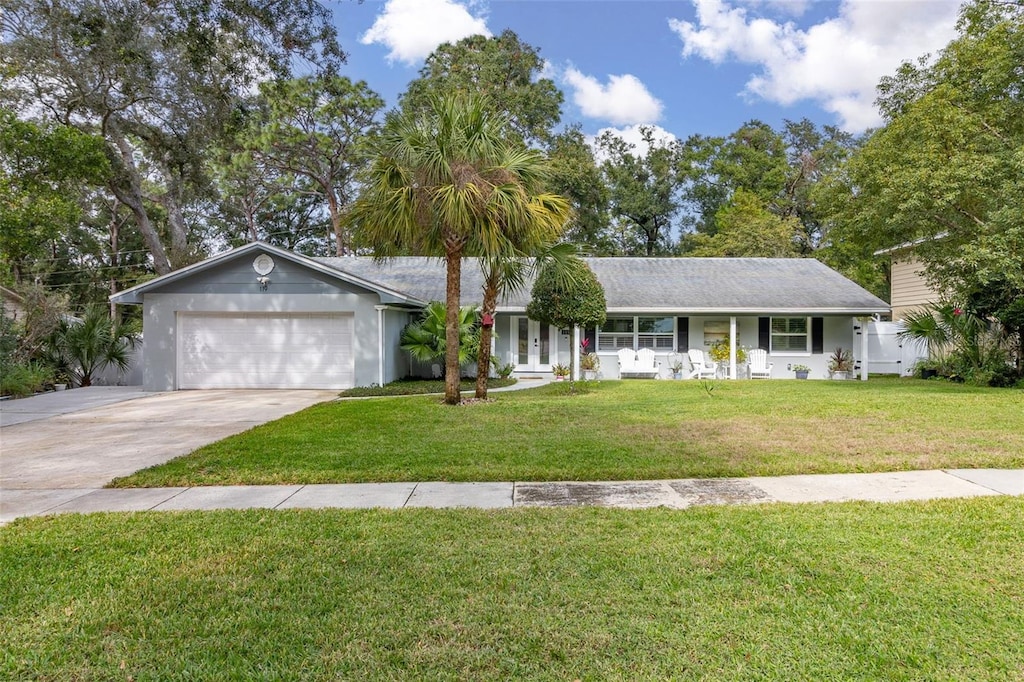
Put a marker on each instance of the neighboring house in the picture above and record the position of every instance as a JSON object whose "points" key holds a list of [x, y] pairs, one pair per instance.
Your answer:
{"points": [[262, 317], [909, 290], [13, 304]]}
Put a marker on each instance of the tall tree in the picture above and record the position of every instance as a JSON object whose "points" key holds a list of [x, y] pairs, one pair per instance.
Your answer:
{"points": [[642, 186], [44, 174], [317, 130], [507, 72], [576, 176], [746, 228], [945, 170], [447, 183], [158, 81]]}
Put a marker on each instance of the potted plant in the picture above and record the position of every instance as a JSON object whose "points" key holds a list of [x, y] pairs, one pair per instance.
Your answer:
{"points": [[719, 352], [589, 364], [801, 371], [840, 364], [561, 372], [677, 368]]}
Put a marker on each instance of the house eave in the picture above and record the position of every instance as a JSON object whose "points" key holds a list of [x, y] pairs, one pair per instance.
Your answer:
{"points": [[856, 312]]}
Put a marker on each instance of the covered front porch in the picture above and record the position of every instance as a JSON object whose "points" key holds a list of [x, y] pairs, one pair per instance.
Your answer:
{"points": [[534, 348]]}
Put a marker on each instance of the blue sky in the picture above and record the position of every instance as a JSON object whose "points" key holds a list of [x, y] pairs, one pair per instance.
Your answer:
{"points": [[689, 67]]}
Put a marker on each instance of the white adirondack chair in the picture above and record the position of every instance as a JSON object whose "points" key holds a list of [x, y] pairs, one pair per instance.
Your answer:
{"points": [[760, 368], [702, 369], [646, 363], [627, 361]]}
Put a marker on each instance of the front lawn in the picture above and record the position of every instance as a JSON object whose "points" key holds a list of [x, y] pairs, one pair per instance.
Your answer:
{"points": [[623, 431], [922, 591]]}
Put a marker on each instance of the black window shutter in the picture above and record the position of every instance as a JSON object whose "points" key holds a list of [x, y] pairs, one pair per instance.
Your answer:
{"points": [[764, 333], [682, 334], [817, 335], [590, 334]]}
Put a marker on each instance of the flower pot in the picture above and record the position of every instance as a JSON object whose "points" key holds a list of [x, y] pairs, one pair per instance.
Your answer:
{"points": [[840, 376], [802, 374], [589, 374], [677, 375], [60, 387]]}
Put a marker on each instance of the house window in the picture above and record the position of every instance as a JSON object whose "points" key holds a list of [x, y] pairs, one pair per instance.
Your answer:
{"points": [[790, 335], [658, 333], [616, 333]]}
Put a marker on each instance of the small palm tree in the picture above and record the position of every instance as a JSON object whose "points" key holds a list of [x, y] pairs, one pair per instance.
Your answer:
{"points": [[83, 348], [447, 183], [507, 274], [425, 338]]}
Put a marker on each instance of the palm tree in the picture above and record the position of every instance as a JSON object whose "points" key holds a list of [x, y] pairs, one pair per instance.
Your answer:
{"points": [[506, 274], [82, 348], [424, 339], [447, 183]]}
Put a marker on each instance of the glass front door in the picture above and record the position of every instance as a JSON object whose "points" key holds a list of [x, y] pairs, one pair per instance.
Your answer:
{"points": [[535, 345]]}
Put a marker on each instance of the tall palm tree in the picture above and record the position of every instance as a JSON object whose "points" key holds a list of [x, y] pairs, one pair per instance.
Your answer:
{"points": [[447, 183]]}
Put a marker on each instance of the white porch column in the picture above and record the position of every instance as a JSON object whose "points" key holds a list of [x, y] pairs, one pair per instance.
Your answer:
{"points": [[732, 346], [575, 352], [864, 349], [380, 343]]}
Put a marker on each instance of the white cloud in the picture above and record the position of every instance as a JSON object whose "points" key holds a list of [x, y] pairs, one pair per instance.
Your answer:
{"points": [[625, 100], [837, 62], [412, 29], [632, 135]]}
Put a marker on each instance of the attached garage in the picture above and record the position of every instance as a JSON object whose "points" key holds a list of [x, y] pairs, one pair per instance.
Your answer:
{"points": [[265, 350], [261, 317]]}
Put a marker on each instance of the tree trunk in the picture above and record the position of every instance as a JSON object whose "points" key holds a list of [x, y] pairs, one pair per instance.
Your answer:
{"points": [[453, 286], [334, 208], [483, 362], [113, 258], [176, 221], [131, 196]]}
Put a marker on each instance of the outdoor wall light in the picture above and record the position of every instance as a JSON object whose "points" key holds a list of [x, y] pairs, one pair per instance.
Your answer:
{"points": [[264, 282]]}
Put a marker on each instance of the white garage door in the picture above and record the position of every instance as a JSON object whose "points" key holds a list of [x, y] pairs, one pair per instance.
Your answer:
{"points": [[264, 350]]}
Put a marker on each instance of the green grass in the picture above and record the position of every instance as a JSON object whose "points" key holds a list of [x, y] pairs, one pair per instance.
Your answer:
{"points": [[623, 431], [418, 387], [854, 591]]}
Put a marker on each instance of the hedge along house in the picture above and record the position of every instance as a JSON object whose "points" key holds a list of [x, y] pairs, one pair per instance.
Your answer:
{"points": [[262, 317]]}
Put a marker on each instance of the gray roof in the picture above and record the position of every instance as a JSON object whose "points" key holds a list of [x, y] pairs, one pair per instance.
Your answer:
{"points": [[676, 285]]}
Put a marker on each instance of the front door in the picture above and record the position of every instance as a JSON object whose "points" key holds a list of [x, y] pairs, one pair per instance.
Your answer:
{"points": [[534, 345]]}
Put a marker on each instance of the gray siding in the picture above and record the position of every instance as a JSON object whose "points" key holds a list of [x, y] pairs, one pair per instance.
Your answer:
{"points": [[396, 360], [238, 277]]}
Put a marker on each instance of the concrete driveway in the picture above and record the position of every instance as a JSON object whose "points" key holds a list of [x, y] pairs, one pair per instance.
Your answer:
{"points": [[85, 437]]}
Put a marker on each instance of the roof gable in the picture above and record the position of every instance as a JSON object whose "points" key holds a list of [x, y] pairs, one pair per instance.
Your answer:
{"points": [[196, 278]]}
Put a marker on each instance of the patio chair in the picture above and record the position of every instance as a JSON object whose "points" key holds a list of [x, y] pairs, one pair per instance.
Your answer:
{"points": [[702, 369], [760, 368], [627, 361], [646, 364]]}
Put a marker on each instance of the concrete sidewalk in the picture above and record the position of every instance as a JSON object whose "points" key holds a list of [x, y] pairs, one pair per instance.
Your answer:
{"points": [[674, 494]]}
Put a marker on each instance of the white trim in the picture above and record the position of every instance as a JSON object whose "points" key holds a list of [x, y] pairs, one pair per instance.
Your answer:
{"points": [[380, 343]]}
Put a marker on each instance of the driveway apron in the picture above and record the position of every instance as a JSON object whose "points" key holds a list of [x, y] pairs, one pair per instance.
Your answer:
{"points": [[88, 448]]}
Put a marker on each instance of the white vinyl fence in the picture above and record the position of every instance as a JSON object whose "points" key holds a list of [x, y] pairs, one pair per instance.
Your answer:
{"points": [[887, 354]]}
